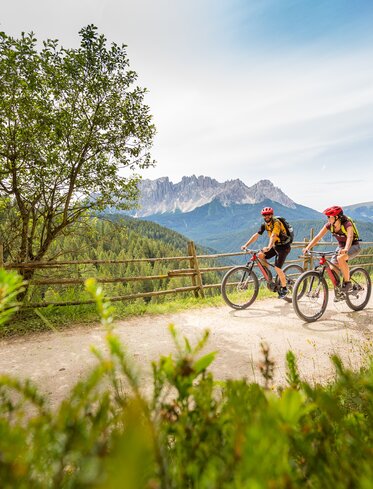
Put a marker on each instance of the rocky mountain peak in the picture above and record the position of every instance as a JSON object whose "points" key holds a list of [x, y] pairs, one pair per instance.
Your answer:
{"points": [[264, 189], [161, 195]]}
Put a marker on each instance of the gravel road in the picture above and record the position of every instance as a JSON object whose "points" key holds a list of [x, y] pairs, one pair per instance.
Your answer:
{"points": [[56, 360]]}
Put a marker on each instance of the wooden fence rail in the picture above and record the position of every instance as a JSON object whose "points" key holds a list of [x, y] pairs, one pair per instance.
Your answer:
{"points": [[195, 271]]}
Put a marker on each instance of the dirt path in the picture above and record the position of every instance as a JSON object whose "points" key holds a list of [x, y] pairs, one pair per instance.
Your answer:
{"points": [[55, 361]]}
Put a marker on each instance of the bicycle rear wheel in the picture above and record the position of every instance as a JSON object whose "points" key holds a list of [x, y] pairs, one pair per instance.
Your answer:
{"points": [[310, 296], [292, 272], [359, 294], [239, 287]]}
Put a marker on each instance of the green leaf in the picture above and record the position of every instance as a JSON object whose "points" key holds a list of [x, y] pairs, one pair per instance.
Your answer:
{"points": [[202, 363], [292, 406], [168, 366]]}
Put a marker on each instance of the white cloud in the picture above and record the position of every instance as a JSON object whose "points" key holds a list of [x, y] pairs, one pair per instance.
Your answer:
{"points": [[231, 113]]}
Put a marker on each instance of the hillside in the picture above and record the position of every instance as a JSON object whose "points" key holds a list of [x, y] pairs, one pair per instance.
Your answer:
{"points": [[361, 212], [225, 229], [154, 231]]}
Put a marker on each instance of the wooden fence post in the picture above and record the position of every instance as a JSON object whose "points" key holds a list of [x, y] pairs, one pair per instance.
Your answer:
{"points": [[312, 234], [197, 277], [306, 259]]}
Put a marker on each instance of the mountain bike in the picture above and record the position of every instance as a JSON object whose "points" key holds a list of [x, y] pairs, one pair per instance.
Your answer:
{"points": [[311, 292], [240, 285]]}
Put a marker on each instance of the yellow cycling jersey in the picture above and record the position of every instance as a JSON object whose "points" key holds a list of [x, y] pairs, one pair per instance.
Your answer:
{"points": [[275, 226]]}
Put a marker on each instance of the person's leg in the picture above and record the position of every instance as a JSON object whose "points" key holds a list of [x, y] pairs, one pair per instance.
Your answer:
{"points": [[281, 254], [343, 261], [281, 276], [343, 266], [263, 257], [334, 262]]}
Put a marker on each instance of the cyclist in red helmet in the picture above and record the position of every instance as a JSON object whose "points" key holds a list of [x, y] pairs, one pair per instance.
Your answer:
{"points": [[344, 230], [278, 246]]}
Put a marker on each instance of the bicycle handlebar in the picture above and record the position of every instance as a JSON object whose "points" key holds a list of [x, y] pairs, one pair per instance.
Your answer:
{"points": [[252, 252], [319, 253]]}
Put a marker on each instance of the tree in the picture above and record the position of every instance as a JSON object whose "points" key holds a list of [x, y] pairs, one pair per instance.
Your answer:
{"points": [[73, 131]]}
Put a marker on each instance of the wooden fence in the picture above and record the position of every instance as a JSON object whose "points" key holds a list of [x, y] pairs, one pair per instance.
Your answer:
{"points": [[193, 268]]}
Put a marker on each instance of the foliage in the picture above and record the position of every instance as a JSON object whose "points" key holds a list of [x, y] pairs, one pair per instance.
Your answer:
{"points": [[11, 285], [192, 432], [73, 128]]}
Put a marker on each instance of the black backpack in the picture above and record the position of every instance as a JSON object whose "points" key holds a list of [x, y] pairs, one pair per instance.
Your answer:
{"points": [[289, 238]]}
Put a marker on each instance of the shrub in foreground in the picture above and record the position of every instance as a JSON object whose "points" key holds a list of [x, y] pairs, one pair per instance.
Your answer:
{"points": [[193, 432]]}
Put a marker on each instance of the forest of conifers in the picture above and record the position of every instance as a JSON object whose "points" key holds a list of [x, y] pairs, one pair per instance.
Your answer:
{"points": [[120, 238]]}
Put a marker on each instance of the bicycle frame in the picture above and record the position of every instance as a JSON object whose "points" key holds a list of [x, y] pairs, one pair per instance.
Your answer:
{"points": [[254, 259], [326, 264], [240, 285]]}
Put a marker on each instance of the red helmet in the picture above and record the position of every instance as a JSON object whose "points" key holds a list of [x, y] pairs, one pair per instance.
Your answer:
{"points": [[267, 211], [335, 210]]}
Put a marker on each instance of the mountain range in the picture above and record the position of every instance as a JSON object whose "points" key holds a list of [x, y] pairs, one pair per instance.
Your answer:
{"points": [[161, 196], [222, 216]]}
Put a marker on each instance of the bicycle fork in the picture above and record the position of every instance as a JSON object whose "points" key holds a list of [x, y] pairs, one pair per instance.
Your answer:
{"points": [[245, 278], [314, 294]]}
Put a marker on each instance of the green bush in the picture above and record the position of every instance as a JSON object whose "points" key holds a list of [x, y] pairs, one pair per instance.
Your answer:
{"points": [[11, 285], [193, 432]]}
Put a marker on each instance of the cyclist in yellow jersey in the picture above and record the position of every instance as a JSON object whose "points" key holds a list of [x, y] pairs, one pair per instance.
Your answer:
{"points": [[278, 246]]}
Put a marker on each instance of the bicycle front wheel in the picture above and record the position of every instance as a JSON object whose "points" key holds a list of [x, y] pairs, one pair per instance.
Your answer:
{"points": [[359, 294], [310, 296], [239, 287]]}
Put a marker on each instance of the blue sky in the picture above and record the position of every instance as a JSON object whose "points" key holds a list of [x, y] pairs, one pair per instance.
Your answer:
{"points": [[249, 89]]}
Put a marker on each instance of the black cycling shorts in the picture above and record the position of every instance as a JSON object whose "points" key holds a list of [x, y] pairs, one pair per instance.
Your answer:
{"points": [[281, 252]]}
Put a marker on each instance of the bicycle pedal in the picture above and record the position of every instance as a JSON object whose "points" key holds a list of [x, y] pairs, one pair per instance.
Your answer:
{"points": [[339, 296]]}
